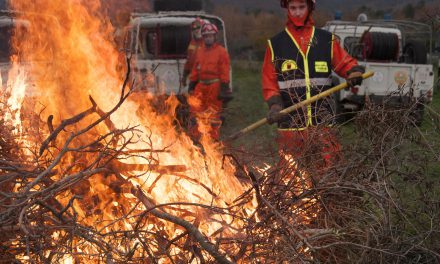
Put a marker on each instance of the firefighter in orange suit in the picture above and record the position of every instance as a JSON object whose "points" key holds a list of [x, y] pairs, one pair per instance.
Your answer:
{"points": [[209, 83], [298, 65], [196, 42]]}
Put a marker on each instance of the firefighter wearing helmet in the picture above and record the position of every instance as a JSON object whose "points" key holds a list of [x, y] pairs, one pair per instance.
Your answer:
{"points": [[209, 85], [196, 42], [298, 65]]}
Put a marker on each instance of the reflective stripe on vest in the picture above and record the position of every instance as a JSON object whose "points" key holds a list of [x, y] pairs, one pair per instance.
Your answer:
{"points": [[302, 83], [306, 70]]}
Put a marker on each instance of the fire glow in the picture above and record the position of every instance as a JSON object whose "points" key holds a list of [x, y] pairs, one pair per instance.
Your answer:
{"points": [[71, 56]]}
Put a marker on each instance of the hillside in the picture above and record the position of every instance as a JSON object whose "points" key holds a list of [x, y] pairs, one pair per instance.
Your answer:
{"points": [[328, 5]]}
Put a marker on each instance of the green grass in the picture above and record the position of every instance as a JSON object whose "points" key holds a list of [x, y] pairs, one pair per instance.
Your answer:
{"points": [[248, 107]]}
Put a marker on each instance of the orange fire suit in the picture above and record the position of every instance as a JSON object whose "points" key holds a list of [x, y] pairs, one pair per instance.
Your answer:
{"points": [[210, 71], [193, 46], [293, 141]]}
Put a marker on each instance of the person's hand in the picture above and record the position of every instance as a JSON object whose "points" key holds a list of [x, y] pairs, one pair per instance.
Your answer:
{"points": [[225, 94], [354, 77], [274, 115]]}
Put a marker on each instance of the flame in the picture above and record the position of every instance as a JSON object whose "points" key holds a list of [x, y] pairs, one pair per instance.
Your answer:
{"points": [[71, 54], [302, 183], [15, 89]]}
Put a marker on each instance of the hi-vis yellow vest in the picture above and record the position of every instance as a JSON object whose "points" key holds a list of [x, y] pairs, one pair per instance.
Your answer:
{"points": [[301, 76]]}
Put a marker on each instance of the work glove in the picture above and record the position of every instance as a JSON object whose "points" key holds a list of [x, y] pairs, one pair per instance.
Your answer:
{"points": [[354, 77], [274, 115], [225, 94], [192, 87]]}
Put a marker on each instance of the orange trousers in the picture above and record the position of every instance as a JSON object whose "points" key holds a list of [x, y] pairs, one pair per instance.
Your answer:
{"points": [[318, 144]]}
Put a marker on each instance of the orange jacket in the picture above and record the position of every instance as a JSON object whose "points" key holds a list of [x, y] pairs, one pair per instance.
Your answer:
{"points": [[211, 63], [193, 46], [341, 63]]}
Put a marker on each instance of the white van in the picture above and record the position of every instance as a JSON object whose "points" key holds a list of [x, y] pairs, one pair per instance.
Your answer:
{"points": [[397, 51], [158, 43]]}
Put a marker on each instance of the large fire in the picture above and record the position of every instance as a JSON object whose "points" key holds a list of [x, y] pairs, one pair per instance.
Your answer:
{"points": [[71, 53], [67, 63]]}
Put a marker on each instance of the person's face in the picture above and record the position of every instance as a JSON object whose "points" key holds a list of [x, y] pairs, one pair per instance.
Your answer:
{"points": [[297, 8], [209, 39]]}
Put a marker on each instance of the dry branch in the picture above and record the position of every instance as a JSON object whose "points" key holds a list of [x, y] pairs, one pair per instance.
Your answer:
{"points": [[378, 203]]}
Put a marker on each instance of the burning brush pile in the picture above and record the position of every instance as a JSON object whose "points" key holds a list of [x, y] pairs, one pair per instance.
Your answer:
{"points": [[89, 174]]}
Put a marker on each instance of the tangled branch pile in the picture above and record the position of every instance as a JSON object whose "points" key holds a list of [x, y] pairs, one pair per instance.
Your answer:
{"points": [[378, 203], [72, 197]]}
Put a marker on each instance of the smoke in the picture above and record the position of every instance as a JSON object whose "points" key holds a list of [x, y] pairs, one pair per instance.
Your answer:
{"points": [[119, 10]]}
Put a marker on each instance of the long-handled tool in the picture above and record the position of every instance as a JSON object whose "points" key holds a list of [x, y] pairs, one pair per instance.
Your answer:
{"points": [[296, 106]]}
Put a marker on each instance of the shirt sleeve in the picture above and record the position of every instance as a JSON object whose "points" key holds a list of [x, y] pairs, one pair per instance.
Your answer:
{"points": [[341, 60], [269, 77]]}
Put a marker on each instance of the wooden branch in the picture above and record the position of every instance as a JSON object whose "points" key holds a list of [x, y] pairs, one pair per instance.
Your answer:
{"points": [[62, 126], [121, 167], [192, 230], [137, 151], [89, 111], [107, 121]]}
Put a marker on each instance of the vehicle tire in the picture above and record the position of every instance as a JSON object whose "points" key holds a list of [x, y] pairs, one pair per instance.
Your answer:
{"points": [[178, 5], [415, 52], [380, 46]]}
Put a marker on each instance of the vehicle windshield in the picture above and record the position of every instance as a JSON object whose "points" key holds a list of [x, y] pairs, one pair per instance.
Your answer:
{"points": [[156, 41], [353, 47], [164, 42]]}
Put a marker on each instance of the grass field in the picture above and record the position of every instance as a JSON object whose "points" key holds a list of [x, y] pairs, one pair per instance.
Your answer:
{"points": [[247, 107]]}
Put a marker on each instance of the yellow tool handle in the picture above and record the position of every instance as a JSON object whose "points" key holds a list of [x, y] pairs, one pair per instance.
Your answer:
{"points": [[296, 106]]}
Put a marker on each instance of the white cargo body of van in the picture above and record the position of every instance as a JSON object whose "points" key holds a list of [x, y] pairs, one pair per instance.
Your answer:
{"points": [[397, 52], [159, 42]]}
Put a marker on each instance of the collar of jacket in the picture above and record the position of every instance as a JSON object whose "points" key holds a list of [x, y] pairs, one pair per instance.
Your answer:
{"points": [[212, 46], [309, 23]]}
